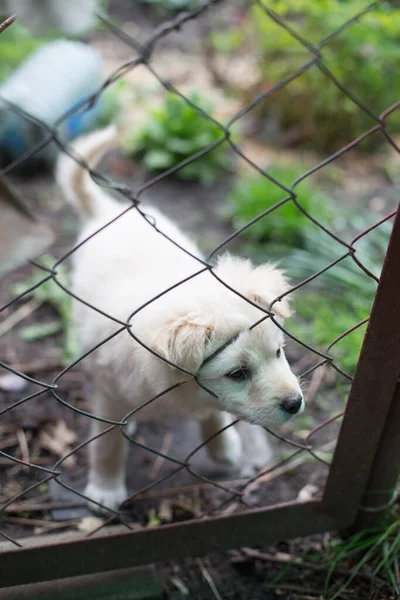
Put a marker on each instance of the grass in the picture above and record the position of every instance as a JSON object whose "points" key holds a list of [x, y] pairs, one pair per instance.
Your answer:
{"points": [[369, 557], [53, 295], [342, 297], [287, 224], [375, 551]]}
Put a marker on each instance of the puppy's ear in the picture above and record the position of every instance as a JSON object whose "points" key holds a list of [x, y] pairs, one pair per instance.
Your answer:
{"points": [[183, 339], [268, 283], [260, 284]]}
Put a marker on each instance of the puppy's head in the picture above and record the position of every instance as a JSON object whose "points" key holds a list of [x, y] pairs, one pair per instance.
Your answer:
{"points": [[250, 375]]}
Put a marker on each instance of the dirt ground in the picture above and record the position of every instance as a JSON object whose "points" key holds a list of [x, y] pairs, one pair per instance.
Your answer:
{"points": [[243, 575]]}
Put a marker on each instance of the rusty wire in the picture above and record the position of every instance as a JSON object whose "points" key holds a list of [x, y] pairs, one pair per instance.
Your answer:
{"points": [[143, 56]]}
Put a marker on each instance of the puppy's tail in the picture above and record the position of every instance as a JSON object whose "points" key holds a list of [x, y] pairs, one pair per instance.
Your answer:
{"points": [[75, 181]]}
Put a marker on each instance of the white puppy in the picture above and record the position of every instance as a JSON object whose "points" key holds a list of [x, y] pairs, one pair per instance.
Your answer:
{"points": [[125, 266]]}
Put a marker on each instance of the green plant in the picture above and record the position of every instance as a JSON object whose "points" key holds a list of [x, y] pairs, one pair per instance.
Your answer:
{"points": [[371, 555], [175, 132], [364, 58], [343, 291], [16, 43], [286, 225], [339, 298], [51, 293], [317, 326], [377, 548]]}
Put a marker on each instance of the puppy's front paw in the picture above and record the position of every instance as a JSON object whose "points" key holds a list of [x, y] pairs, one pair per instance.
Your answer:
{"points": [[108, 497], [226, 447]]}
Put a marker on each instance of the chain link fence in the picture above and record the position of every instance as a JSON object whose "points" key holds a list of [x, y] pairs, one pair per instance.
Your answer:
{"points": [[214, 520]]}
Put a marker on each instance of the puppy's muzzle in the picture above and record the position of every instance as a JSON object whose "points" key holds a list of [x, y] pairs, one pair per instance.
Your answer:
{"points": [[292, 404]]}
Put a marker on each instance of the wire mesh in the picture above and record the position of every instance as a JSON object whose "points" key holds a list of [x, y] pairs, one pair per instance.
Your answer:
{"points": [[232, 495]]}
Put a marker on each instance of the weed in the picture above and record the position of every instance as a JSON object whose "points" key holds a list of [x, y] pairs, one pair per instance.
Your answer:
{"points": [[377, 548], [341, 297], [175, 132], [286, 225], [50, 293], [16, 43]]}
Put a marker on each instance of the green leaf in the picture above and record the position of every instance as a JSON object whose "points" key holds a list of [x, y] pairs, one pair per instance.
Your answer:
{"points": [[181, 146], [156, 160], [155, 129], [51, 293], [175, 132], [39, 331]]}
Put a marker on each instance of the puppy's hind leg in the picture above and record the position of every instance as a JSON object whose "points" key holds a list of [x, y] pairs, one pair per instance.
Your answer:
{"points": [[107, 457], [226, 447]]}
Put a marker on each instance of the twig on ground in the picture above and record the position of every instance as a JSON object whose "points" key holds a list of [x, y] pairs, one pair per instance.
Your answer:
{"points": [[9, 21], [228, 510], [6, 463], [287, 467], [39, 366], [18, 507], [165, 446], [304, 593], [208, 578], [19, 315], [23, 445], [191, 510], [178, 583], [288, 559], [7, 429], [186, 489], [40, 522], [8, 442]]}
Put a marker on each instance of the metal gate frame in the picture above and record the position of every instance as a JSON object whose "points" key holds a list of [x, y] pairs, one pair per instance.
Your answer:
{"points": [[358, 490], [361, 479]]}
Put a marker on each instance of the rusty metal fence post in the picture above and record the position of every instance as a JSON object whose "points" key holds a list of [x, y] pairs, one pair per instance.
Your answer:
{"points": [[363, 477]]}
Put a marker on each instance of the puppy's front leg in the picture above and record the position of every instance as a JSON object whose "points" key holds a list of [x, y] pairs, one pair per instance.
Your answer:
{"points": [[107, 456], [226, 447]]}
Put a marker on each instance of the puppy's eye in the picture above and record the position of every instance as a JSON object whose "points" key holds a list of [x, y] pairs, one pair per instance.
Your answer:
{"points": [[278, 353], [239, 374]]}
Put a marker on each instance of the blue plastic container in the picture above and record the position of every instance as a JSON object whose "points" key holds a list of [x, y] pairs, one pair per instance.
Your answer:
{"points": [[54, 79]]}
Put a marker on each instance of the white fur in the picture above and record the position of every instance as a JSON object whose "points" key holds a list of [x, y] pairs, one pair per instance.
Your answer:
{"points": [[127, 264]]}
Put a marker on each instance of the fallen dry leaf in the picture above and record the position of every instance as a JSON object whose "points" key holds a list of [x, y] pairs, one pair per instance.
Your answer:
{"points": [[178, 583], [57, 438], [307, 493], [9, 490], [165, 510], [89, 524]]}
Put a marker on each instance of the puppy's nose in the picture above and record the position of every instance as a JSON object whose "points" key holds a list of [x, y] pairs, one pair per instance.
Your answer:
{"points": [[292, 404]]}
